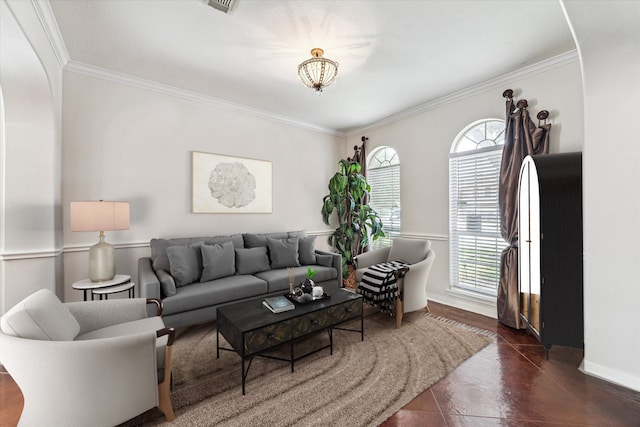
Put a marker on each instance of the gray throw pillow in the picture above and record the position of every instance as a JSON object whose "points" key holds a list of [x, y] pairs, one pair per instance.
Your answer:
{"points": [[255, 240], [167, 284], [252, 260], [324, 260], [218, 261], [236, 239], [306, 250], [283, 252], [185, 263]]}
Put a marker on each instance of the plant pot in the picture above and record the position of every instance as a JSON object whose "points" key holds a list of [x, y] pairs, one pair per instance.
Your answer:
{"points": [[350, 282]]}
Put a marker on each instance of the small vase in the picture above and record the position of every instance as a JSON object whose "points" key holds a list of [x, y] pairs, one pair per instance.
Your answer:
{"points": [[307, 286]]}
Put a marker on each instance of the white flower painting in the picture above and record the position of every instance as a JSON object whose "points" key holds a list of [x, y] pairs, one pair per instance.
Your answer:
{"points": [[223, 184]]}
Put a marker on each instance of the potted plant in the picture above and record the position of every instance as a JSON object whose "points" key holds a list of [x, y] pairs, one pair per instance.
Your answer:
{"points": [[357, 221], [308, 284]]}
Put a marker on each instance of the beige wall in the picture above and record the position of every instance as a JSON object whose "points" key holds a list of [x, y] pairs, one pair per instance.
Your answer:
{"points": [[123, 142], [423, 141]]}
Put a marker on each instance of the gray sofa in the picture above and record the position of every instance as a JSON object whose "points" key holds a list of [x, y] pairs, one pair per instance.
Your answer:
{"points": [[194, 276]]}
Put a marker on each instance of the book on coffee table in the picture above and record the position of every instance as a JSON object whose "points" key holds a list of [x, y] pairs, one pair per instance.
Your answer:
{"points": [[278, 304]]}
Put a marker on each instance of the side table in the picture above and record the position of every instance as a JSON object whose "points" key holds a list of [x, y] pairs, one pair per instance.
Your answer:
{"points": [[120, 283]]}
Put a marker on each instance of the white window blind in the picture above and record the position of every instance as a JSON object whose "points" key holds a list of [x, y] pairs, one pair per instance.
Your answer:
{"points": [[383, 175], [474, 218]]}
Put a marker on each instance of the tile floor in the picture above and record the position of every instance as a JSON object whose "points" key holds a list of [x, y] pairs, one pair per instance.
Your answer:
{"points": [[509, 383]]}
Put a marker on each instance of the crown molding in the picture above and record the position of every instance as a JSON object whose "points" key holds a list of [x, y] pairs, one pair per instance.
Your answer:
{"points": [[51, 29], [140, 83], [505, 79]]}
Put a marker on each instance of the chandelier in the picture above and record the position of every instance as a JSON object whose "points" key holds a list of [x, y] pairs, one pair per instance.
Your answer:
{"points": [[318, 72]]}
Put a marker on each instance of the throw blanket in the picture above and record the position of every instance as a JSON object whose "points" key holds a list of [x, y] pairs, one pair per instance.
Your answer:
{"points": [[379, 285]]}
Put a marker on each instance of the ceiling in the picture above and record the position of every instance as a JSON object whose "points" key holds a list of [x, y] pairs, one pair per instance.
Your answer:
{"points": [[393, 55]]}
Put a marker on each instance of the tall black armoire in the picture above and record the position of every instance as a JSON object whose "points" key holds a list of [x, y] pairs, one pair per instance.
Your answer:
{"points": [[550, 248]]}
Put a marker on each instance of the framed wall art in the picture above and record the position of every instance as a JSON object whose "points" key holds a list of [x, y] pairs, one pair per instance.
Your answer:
{"points": [[225, 184]]}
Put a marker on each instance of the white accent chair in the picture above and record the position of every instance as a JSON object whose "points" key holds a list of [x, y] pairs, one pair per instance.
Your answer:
{"points": [[94, 363], [415, 252]]}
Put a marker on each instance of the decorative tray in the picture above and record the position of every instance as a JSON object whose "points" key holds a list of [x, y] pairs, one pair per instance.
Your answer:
{"points": [[301, 300]]}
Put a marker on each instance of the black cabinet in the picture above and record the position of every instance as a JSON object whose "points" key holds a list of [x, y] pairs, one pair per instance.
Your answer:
{"points": [[550, 248]]}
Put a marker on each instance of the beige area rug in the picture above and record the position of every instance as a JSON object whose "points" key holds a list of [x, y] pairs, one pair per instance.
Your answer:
{"points": [[361, 384]]}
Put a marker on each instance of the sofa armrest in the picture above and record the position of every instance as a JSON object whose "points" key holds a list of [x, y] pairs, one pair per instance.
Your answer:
{"points": [[336, 263], [92, 315], [367, 259], [147, 280]]}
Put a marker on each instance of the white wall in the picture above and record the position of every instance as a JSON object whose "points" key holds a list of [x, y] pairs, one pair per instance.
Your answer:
{"points": [[123, 142], [610, 58], [423, 141], [31, 92]]}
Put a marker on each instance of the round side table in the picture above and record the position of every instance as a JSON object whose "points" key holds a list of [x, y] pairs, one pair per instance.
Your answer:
{"points": [[120, 283]]}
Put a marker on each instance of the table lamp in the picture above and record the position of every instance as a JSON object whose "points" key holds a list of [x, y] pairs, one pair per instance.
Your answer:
{"points": [[100, 216]]}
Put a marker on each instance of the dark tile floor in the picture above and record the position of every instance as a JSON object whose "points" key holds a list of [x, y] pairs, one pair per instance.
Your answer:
{"points": [[509, 383]]}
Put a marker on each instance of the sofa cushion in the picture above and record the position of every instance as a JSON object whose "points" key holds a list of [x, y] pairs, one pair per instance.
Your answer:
{"points": [[410, 251], [218, 261], [278, 280], [306, 250], [252, 240], [325, 260], [159, 258], [283, 252], [252, 260], [236, 239], [185, 263], [40, 316], [167, 283], [206, 294]]}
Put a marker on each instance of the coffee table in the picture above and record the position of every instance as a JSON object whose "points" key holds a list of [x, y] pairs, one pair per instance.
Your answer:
{"points": [[252, 330]]}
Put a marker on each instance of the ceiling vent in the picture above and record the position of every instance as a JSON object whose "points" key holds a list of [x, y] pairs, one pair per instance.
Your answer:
{"points": [[225, 6]]}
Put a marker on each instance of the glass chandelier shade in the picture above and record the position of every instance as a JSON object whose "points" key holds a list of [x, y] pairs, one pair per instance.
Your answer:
{"points": [[318, 72]]}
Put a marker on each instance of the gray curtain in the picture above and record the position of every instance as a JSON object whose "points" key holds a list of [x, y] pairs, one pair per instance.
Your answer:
{"points": [[522, 138]]}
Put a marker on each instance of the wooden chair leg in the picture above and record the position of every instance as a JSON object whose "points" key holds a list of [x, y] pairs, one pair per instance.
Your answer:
{"points": [[164, 398], [426, 308], [399, 312], [164, 388]]}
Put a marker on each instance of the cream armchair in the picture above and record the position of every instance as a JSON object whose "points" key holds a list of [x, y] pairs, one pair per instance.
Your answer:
{"points": [[419, 255], [96, 363]]}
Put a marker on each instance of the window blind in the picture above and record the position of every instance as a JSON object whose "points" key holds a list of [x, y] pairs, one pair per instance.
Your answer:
{"points": [[476, 243], [385, 200]]}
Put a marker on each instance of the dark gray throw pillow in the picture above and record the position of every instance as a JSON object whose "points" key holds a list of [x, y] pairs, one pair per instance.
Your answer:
{"points": [[252, 260], [185, 263], [283, 252], [167, 284], [306, 250], [218, 261], [325, 260]]}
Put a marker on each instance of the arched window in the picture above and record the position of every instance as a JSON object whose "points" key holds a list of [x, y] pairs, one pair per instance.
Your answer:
{"points": [[383, 175], [475, 243]]}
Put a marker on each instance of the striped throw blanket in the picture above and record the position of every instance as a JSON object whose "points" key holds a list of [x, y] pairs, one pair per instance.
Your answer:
{"points": [[379, 285]]}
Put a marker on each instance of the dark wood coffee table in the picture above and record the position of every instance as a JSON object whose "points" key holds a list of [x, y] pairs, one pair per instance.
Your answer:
{"points": [[252, 330]]}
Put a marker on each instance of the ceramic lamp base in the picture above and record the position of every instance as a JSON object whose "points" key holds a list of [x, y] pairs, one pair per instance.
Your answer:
{"points": [[102, 264]]}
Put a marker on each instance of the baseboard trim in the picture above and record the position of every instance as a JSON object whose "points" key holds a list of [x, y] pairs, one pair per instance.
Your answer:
{"points": [[610, 375]]}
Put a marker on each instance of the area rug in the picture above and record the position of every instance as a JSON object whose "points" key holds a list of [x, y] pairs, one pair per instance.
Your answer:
{"points": [[361, 384]]}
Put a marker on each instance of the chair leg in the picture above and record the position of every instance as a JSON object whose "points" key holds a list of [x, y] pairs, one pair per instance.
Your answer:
{"points": [[399, 312], [426, 308], [164, 398], [164, 388]]}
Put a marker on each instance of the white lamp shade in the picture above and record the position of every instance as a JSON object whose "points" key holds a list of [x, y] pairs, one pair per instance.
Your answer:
{"points": [[99, 216]]}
